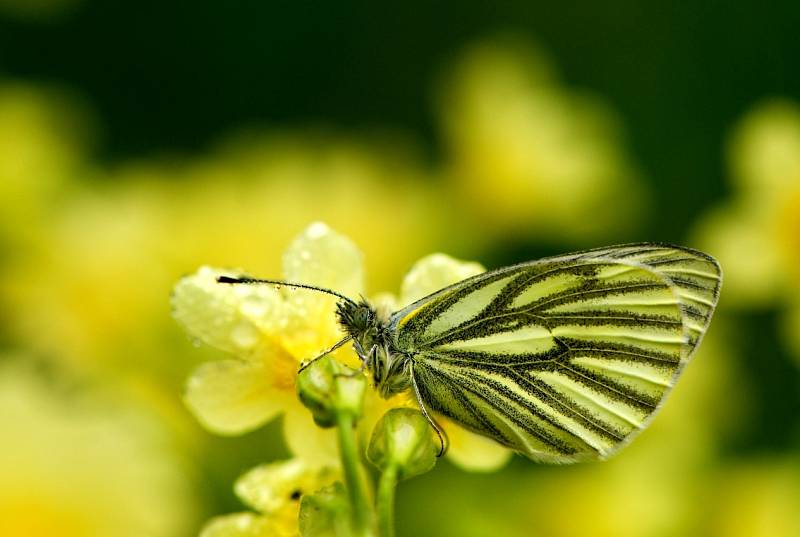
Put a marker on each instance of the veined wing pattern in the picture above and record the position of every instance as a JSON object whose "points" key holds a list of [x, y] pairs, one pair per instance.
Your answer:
{"points": [[565, 358]]}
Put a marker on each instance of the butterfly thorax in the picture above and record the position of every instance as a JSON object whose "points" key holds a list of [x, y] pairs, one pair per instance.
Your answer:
{"points": [[373, 344]]}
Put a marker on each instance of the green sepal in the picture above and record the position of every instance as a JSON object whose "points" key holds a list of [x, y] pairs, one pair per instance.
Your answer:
{"points": [[328, 388]]}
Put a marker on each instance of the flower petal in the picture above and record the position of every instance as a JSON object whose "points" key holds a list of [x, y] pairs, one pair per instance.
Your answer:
{"points": [[232, 396], [474, 452], [434, 272], [270, 488], [233, 318], [308, 441], [322, 257], [238, 525]]}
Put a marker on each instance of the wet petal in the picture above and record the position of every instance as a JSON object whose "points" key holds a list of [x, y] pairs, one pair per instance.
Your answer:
{"points": [[308, 441], [232, 396], [238, 525], [233, 318], [271, 488], [474, 452], [435, 272], [322, 257]]}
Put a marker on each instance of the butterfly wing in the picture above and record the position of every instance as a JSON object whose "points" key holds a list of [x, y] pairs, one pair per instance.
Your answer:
{"points": [[565, 358]]}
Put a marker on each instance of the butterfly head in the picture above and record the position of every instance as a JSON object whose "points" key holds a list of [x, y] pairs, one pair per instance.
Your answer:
{"points": [[358, 319], [371, 340]]}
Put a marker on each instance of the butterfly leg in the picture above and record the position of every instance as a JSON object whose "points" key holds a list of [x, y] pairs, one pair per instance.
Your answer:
{"points": [[443, 441], [323, 353], [364, 361]]}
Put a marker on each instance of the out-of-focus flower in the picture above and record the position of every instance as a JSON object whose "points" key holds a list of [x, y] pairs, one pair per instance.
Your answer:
{"points": [[530, 156], [274, 491], [756, 236], [756, 499], [37, 157], [84, 465]]}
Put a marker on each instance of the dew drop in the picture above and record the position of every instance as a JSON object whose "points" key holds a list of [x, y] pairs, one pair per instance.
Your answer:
{"points": [[254, 307], [244, 335], [317, 230]]}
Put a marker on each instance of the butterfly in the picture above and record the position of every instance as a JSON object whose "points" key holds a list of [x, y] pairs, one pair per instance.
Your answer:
{"points": [[562, 359]]}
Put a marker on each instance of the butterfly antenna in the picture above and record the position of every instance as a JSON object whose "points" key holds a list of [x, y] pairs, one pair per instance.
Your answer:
{"points": [[443, 440], [280, 283]]}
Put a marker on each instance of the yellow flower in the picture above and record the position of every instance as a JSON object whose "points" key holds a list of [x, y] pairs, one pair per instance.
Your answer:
{"points": [[274, 491], [269, 331], [529, 154], [756, 236], [98, 257], [84, 465]]}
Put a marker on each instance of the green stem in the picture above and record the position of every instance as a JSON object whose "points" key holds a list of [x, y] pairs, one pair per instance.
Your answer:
{"points": [[385, 501], [351, 465]]}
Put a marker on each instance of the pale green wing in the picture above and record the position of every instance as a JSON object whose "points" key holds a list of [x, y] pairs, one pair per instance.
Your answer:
{"points": [[566, 358]]}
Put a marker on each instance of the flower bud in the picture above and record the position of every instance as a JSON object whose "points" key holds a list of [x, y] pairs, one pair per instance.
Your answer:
{"points": [[328, 388], [325, 513], [403, 439]]}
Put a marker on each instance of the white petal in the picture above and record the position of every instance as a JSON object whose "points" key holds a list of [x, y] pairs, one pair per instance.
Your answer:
{"points": [[232, 396], [322, 257], [233, 318]]}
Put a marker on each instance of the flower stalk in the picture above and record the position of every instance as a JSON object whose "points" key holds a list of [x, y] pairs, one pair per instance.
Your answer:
{"points": [[402, 446], [334, 394], [353, 474], [384, 503]]}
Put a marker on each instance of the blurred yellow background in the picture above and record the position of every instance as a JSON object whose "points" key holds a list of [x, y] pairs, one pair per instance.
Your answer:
{"points": [[142, 141]]}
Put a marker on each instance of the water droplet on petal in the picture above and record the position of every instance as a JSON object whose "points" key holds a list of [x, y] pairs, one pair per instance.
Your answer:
{"points": [[317, 230], [254, 307], [244, 335]]}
